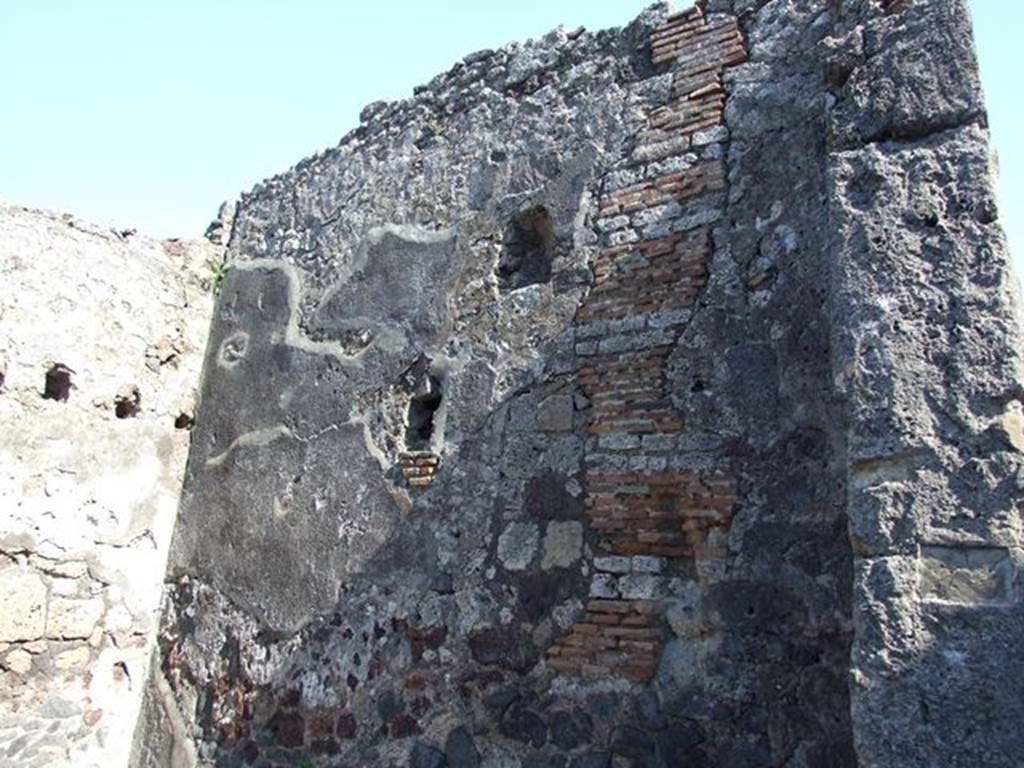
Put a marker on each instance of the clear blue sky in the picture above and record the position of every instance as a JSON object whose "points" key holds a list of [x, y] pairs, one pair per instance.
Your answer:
{"points": [[148, 115]]}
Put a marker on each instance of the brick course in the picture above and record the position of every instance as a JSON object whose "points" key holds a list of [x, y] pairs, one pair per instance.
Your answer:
{"points": [[648, 276], [419, 467]]}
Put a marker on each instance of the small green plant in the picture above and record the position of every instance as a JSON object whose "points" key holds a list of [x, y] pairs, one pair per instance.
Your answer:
{"points": [[304, 762], [217, 282]]}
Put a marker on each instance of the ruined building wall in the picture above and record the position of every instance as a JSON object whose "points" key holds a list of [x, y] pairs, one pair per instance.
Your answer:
{"points": [[101, 339], [927, 356], [608, 403]]}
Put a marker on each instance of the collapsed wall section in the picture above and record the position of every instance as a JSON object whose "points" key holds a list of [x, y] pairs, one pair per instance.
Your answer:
{"points": [[101, 344]]}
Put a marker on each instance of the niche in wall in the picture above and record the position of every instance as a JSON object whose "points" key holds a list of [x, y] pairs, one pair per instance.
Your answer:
{"points": [[527, 250], [420, 431]]}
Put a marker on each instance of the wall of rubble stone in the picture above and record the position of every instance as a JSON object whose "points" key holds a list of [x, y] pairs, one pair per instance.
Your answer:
{"points": [[101, 339], [592, 406]]}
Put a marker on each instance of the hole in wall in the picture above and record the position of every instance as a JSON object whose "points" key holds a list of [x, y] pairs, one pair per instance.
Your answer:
{"points": [[527, 250], [120, 673], [985, 212], [128, 404], [184, 421], [57, 385], [419, 431]]}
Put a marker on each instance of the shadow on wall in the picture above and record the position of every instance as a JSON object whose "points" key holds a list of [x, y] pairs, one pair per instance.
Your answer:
{"points": [[333, 614]]}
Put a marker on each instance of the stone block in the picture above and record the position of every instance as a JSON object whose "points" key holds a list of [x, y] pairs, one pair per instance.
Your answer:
{"points": [[659, 442], [18, 661], [648, 564], [76, 658], [563, 544], [604, 585], [641, 586], [966, 575], [613, 564], [71, 618], [554, 414], [517, 545], [619, 441], [22, 605]]}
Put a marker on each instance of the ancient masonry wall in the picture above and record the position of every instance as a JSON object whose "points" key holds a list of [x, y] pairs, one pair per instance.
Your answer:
{"points": [[101, 339], [641, 398], [648, 397], [519, 405]]}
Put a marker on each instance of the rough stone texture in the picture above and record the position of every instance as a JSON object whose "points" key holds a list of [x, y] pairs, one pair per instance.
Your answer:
{"points": [[540, 272], [90, 476], [927, 353], [592, 406], [634, 399]]}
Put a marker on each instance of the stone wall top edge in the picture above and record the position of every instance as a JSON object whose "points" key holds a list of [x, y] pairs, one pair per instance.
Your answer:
{"points": [[472, 68], [128, 236]]}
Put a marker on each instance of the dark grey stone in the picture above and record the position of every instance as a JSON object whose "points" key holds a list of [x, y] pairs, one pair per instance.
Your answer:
{"points": [[524, 725], [571, 728], [389, 704], [647, 712], [592, 760], [460, 749], [426, 756], [556, 761], [635, 744]]}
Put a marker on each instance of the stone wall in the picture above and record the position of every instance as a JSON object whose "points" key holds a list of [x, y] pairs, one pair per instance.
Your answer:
{"points": [[647, 397], [927, 354], [101, 339], [519, 443]]}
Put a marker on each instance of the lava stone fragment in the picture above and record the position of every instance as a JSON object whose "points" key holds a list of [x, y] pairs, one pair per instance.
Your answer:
{"points": [[632, 742], [460, 749], [250, 752], [346, 725], [539, 593], [404, 725], [389, 705], [832, 755], [680, 745], [499, 701], [426, 756], [570, 729], [523, 725], [504, 647], [592, 760], [647, 712], [557, 761], [288, 728]]}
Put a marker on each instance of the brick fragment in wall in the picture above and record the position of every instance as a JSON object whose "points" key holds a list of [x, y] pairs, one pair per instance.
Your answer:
{"points": [[419, 468], [645, 521], [616, 638]]}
